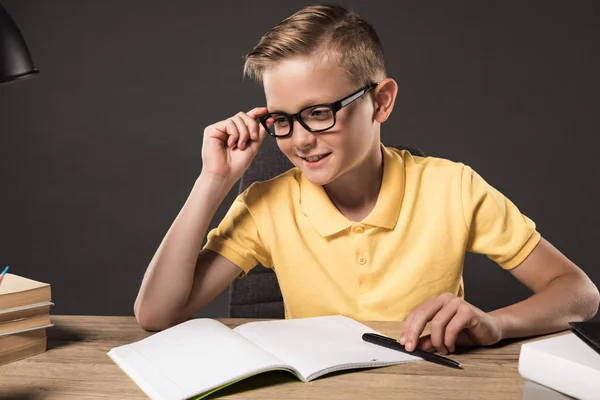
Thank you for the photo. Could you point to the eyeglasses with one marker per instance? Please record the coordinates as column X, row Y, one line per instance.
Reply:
column 317, row 118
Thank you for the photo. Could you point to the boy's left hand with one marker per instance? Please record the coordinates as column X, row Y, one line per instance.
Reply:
column 454, row 322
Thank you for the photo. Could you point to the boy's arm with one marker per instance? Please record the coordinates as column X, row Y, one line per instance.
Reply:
column 563, row 293
column 181, row 278
column 178, row 281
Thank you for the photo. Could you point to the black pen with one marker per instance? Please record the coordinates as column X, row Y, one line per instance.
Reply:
column 395, row 345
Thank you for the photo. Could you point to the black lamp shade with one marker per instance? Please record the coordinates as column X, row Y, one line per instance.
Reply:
column 15, row 60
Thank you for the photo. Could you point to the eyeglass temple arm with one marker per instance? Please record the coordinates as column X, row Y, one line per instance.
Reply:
column 355, row 96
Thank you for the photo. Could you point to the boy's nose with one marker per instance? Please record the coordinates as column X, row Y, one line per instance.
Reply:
column 302, row 138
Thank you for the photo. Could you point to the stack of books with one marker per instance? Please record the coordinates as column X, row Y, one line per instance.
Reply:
column 24, row 316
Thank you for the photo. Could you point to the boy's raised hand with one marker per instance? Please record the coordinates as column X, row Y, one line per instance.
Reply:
column 454, row 322
column 229, row 146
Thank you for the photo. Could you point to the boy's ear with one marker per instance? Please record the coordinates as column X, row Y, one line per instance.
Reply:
column 385, row 97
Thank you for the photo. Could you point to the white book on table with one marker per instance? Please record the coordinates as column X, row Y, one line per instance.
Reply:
column 563, row 363
column 200, row 356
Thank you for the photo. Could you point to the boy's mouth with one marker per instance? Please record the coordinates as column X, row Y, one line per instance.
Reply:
column 315, row 160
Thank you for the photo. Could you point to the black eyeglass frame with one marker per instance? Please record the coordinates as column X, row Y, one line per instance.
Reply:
column 335, row 107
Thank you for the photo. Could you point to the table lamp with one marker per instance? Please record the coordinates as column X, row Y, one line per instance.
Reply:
column 15, row 60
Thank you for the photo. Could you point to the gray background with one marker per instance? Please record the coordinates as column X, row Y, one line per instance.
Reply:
column 99, row 152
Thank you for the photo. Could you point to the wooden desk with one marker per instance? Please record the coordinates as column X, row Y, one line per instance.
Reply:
column 76, row 367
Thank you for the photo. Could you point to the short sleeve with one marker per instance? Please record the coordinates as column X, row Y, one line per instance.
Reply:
column 237, row 237
column 495, row 225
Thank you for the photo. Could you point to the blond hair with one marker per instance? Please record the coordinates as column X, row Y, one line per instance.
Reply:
column 330, row 29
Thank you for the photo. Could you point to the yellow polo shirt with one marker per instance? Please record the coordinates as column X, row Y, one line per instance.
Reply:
column 429, row 212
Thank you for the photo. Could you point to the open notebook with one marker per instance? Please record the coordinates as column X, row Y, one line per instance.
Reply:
column 200, row 356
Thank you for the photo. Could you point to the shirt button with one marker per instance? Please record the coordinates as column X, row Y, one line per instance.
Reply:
column 359, row 229
column 362, row 260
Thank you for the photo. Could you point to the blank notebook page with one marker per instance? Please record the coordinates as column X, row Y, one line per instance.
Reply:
column 316, row 344
column 190, row 357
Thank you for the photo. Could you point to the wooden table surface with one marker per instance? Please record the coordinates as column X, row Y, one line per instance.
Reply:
column 76, row 366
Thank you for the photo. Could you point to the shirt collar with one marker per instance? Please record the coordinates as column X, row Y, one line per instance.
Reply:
column 328, row 220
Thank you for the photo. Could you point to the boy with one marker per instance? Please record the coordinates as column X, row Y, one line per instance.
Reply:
column 356, row 228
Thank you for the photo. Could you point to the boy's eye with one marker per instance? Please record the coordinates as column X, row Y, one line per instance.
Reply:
column 280, row 121
column 320, row 113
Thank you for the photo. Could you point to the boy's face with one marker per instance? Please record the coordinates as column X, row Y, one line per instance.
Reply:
column 296, row 83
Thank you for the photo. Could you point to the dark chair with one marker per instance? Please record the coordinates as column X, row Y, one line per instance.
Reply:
column 258, row 295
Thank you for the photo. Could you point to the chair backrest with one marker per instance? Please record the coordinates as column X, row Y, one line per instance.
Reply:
column 258, row 295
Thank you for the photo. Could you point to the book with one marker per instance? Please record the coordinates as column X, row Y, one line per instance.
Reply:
column 24, row 324
column 11, row 314
column 11, row 342
column 200, row 356
column 563, row 363
column 24, row 316
column 26, row 350
column 18, row 291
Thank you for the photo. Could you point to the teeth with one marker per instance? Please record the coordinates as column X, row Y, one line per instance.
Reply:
column 315, row 158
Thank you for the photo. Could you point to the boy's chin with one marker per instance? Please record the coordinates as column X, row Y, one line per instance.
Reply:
column 321, row 177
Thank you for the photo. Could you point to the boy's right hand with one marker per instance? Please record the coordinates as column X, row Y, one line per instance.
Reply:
column 229, row 146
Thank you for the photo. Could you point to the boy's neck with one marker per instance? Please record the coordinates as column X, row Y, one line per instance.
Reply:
column 355, row 193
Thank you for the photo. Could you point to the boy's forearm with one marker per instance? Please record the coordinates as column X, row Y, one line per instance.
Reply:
column 566, row 299
column 168, row 280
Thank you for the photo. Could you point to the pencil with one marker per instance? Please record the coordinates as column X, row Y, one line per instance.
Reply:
column 3, row 273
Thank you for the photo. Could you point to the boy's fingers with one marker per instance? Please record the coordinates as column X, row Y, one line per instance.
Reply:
column 222, row 135
column 257, row 112
column 220, row 126
column 232, row 131
column 408, row 324
column 237, row 130
column 406, row 327
column 251, row 124
column 464, row 318
column 255, row 144
column 242, row 129
column 423, row 315
column 254, row 113
column 425, row 344
column 439, row 324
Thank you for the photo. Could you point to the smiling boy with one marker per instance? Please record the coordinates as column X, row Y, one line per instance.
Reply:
column 356, row 228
